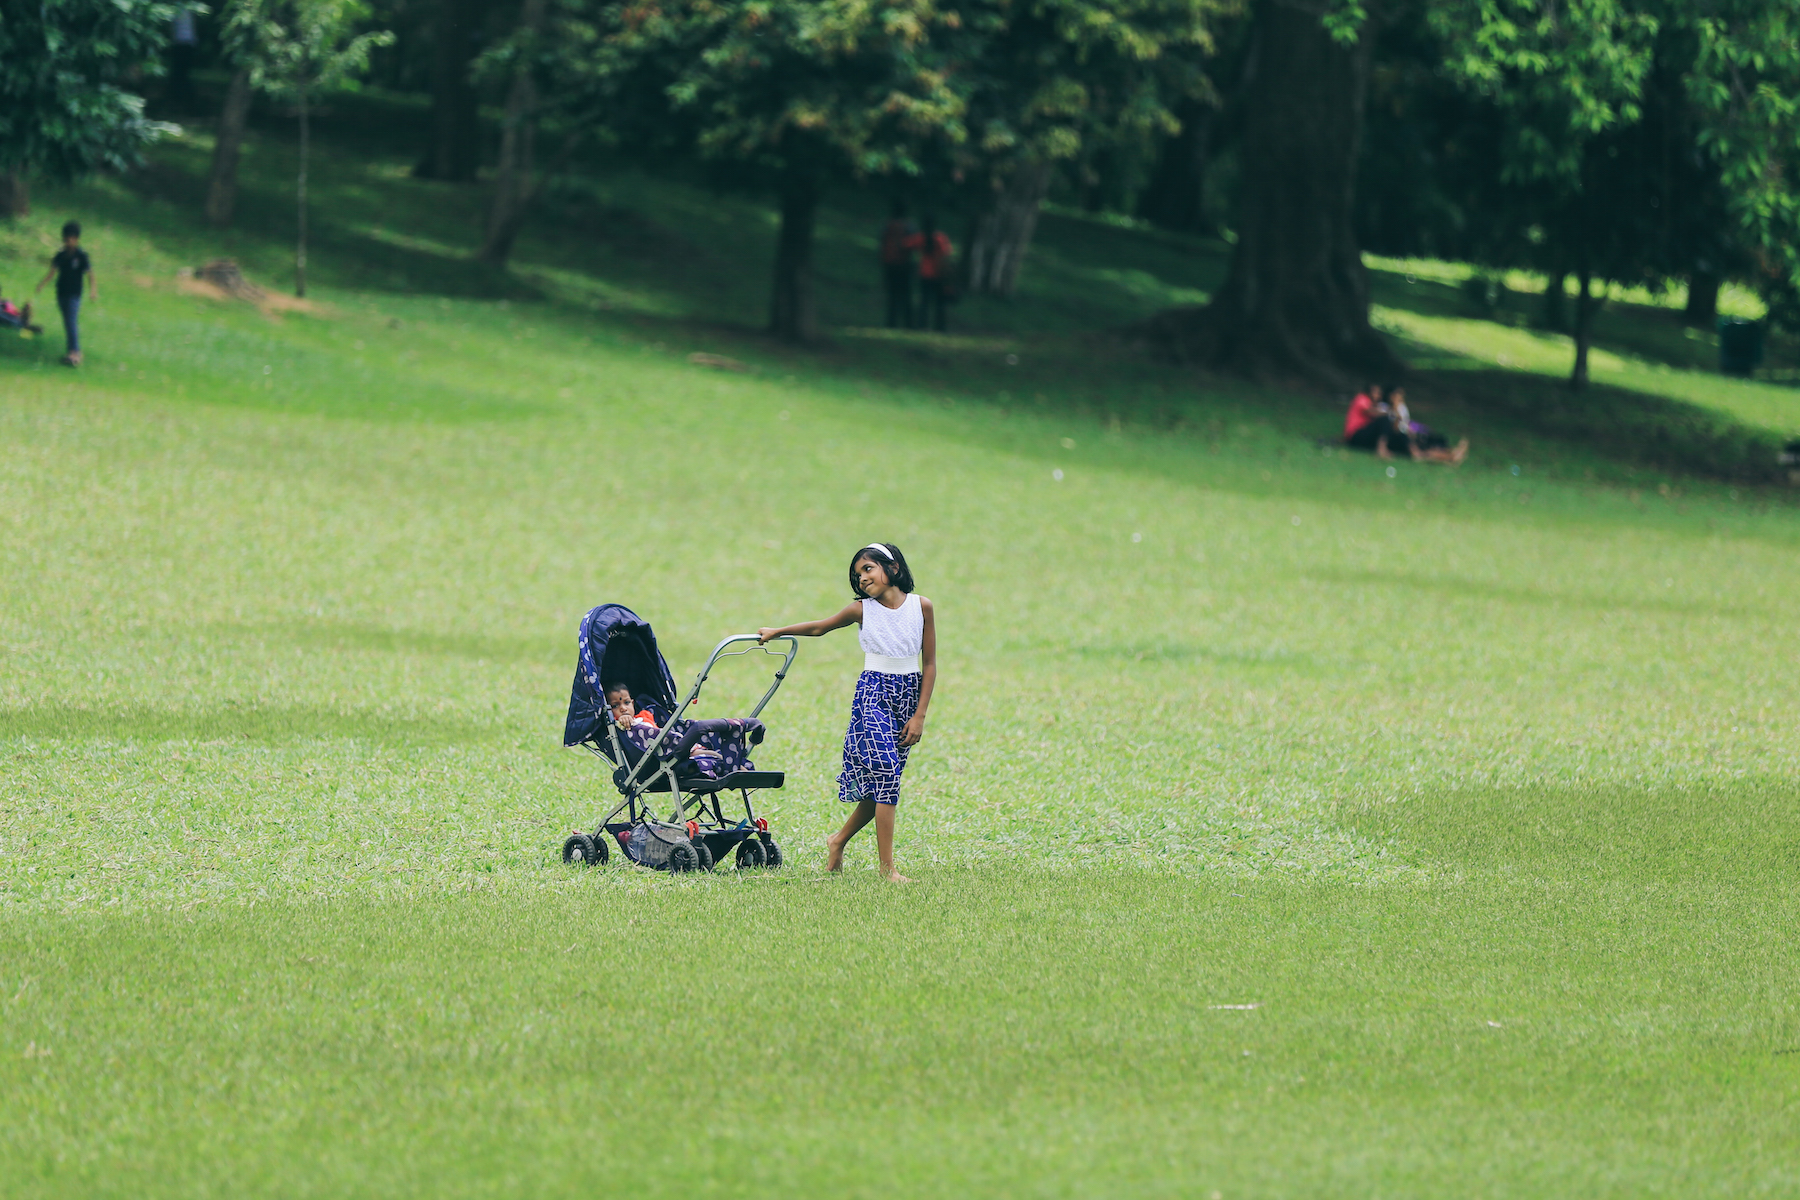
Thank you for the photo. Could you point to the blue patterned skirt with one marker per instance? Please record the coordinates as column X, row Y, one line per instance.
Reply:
column 873, row 756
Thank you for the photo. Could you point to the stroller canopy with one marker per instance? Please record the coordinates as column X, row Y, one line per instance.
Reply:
column 616, row 646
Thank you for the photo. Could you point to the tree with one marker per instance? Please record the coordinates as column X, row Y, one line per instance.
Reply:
column 228, row 143
column 296, row 49
column 1060, row 82
column 1567, row 77
column 453, row 153
column 792, row 95
column 1295, row 298
column 514, row 183
column 1746, row 84
column 65, row 111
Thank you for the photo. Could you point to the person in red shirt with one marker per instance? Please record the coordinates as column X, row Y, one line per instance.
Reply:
column 897, row 238
column 1369, row 425
column 934, row 248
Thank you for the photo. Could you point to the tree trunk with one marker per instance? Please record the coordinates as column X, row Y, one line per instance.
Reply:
column 15, row 194
column 300, row 193
column 1295, row 301
column 792, row 315
column 1002, row 231
column 1556, row 301
column 454, row 153
column 221, row 189
column 1585, row 307
column 1176, row 196
column 518, row 147
column 1702, row 310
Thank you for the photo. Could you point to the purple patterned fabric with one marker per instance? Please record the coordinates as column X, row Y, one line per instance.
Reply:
column 873, row 756
column 720, row 745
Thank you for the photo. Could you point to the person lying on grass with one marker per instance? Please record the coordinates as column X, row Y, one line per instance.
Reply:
column 887, row 714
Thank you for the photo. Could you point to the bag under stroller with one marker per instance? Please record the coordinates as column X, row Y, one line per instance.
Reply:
column 694, row 762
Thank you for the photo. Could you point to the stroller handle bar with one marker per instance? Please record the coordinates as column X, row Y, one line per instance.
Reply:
column 693, row 692
column 719, row 651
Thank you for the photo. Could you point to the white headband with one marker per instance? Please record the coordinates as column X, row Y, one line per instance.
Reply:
column 878, row 548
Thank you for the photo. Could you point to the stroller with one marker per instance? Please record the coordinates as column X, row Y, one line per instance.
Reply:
column 618, row 647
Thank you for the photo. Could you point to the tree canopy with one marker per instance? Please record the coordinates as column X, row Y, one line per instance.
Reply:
column 68, row 106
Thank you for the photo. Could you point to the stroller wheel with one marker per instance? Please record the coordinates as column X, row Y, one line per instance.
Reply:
column 750, row 855
column 683, row 857
column 771, row 852
column 583, row 851
column 705, row 853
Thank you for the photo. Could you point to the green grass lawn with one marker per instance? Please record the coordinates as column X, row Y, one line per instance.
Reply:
column 1476, row 785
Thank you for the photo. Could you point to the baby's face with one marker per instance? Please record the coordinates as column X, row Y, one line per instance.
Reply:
column 619, row 705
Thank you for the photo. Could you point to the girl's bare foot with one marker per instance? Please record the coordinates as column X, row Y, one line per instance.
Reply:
column 834, row 853
column 894, row 876
column 1459, row 453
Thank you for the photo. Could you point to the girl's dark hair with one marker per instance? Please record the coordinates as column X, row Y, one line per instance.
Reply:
column 893, row 562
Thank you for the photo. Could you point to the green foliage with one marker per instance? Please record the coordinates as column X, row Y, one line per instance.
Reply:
column 1056, row 79
column 781, row 85
column 66, row 108
column 899, row 88
column 1561, row 72
column 1746, row 81
column 300, row 46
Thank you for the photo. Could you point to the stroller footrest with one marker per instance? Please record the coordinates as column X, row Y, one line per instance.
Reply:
column 735, row 781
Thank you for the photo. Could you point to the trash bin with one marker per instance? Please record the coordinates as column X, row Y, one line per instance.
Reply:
column 1740, row 345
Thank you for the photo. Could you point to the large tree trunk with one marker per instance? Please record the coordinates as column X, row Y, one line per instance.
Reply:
column 518, row 148
column 15, row 194
column 221, row 188
column 300, row 195
column 1295, row 301
column 1176, row 195
column 792, row 314
column 1002, row 230
column 1702, row 310
column 454, row 152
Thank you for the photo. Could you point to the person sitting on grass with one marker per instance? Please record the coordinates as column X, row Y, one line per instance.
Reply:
column 1375, row 423
column 1427, row 444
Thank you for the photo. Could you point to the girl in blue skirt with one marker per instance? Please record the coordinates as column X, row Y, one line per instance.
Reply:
column 887, row 716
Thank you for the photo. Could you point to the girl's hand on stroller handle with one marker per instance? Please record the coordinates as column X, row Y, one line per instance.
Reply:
column 763, row 636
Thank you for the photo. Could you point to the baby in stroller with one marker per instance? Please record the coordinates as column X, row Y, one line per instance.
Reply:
column 713, row 748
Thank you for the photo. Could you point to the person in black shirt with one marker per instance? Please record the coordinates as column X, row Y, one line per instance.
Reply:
column 67, row 267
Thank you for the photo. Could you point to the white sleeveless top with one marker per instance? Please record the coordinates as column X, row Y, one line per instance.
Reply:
column 892, row 638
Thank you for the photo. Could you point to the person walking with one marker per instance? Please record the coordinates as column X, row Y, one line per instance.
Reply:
column 887, row 714
column 68, row 266
column 934, row 248
column 897, row 266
